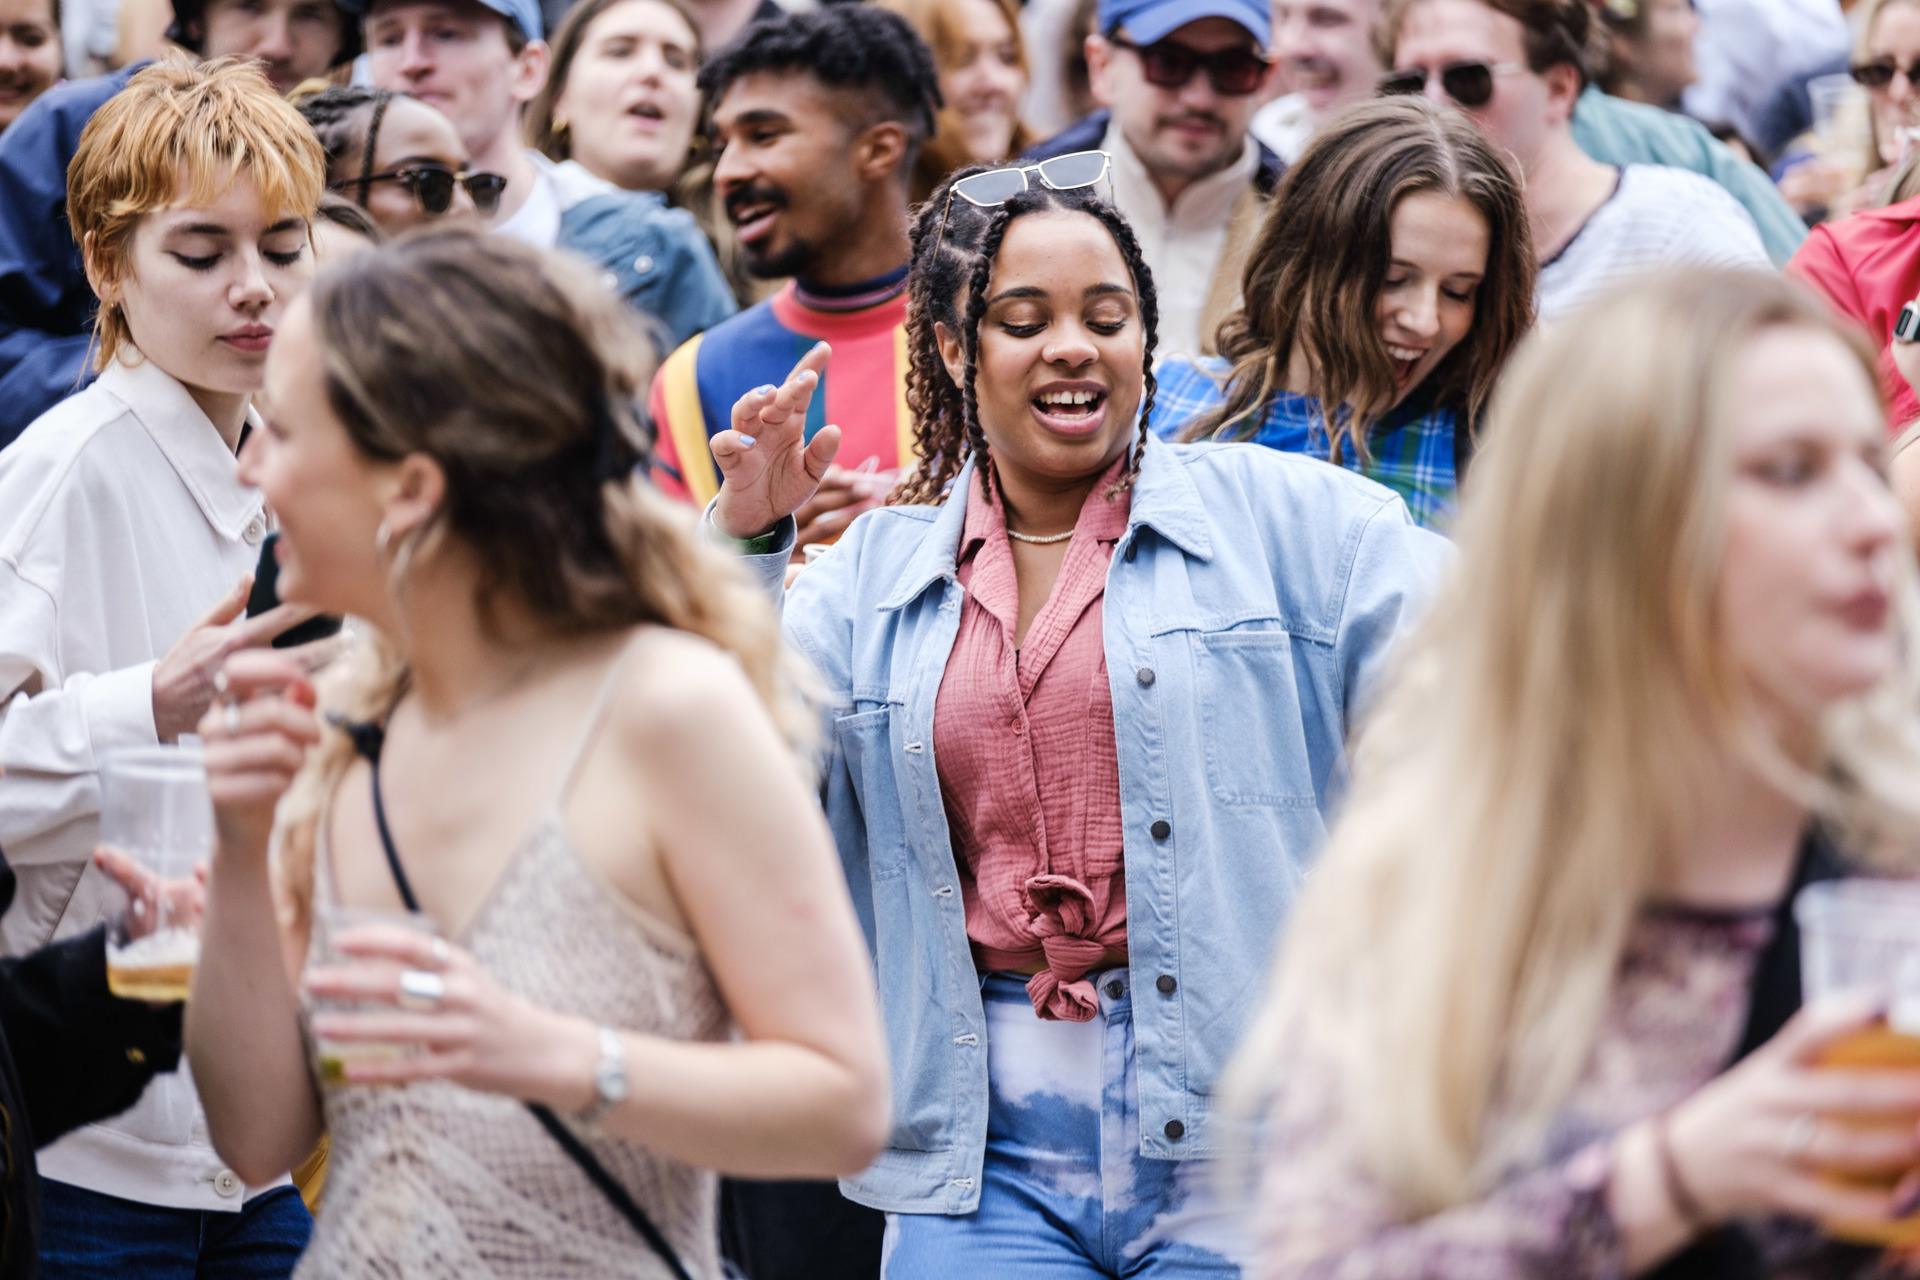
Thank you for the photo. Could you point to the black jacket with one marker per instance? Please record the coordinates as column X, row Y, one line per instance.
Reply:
column 71, row 1053
column 1087, row 134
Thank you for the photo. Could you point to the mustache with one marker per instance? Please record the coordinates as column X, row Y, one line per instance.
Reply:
column 1207, row 118
column 747, row 197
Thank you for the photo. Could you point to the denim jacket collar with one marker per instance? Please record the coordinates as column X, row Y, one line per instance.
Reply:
column 1164, row 500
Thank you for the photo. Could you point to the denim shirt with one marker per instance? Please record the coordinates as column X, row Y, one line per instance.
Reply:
column 1249, row 605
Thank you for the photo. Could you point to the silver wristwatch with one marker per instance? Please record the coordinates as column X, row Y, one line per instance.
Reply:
column 610, row 1087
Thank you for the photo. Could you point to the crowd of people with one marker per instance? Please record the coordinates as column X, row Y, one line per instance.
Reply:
column 918, row 639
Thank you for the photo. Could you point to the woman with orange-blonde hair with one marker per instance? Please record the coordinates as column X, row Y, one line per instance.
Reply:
column 983, row 77
column 126, row 543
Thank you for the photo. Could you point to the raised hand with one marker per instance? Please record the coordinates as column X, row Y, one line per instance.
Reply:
column 768, row 468
column 256, row 740
column 183, row 678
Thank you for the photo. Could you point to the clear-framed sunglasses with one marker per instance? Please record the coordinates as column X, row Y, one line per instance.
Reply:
column 997, row 186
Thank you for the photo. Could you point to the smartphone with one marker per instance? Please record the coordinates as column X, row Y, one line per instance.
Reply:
column 266, row 595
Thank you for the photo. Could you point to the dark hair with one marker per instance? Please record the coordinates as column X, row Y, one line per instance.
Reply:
column 189, row 29
column 1315, row 273
column 1556, row 32
column 565, row 47
column 852, row 47
column 946, row 270
column 346, row 120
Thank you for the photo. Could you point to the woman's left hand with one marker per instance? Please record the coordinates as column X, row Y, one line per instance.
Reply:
column 185, row 901
column 425, row 995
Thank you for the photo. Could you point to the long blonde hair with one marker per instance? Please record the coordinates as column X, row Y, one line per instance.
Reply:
column 1532, row 764
column 518, row 374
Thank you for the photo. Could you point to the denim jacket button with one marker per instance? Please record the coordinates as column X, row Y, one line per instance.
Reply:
column 1175, row 1130
column 1144, row 675
column 1167, row 984
column 1116, row 989
column 1161, row 829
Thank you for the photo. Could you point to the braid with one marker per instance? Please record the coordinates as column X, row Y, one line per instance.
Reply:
column 336, row 117
column 970, row 341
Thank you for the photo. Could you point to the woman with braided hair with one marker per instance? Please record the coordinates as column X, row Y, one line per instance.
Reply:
column 397, row 158
column 1089, row 689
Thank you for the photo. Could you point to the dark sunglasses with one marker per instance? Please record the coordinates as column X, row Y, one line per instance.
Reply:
column 997, row 186
column 432, row 186
column 1233, row 73
column 1879, row 73
column 1467, row 84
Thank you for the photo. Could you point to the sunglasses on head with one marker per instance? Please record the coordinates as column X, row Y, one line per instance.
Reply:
column 997, row 186
column 1879, row 73
column 1233, row 73
column 432, row 186
column 1466, row 84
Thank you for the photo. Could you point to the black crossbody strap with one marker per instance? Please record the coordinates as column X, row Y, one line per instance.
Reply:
column 367, row 740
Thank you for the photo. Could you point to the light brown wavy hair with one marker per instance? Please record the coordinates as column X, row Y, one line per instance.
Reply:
column 934, row 21
column 518, row 374
column 1314, row 278
column 204, row 124
column 538, row 127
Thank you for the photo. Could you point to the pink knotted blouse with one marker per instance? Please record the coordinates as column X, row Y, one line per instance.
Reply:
column 1023, row 737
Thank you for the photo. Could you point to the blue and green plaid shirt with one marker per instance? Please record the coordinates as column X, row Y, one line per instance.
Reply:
column 1412, row 447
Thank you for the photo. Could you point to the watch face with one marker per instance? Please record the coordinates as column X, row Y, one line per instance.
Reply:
column 1907, row 327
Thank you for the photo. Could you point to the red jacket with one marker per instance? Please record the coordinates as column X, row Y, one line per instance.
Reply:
column 1868, row 266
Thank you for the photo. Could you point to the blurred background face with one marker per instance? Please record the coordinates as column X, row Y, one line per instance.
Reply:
column 1186, row 132
column 29, row 54
column 1325, row 50
column 1895, row 42
column 1814, row 535
column 983, row 80
column 1523, row 108
column 1663, row 59
column 630, row 104
column 295, row 39
column 453, row 56
column 412, row 134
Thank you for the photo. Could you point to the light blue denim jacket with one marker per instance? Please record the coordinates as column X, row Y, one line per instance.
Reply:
column 1249, row 605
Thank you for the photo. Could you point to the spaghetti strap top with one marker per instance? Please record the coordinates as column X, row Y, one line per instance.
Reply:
column 432, row 1180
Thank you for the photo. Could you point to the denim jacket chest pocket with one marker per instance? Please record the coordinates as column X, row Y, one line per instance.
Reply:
column 1256, row 685
column 870, row 759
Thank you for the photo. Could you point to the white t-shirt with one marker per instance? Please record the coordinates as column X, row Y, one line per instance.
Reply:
column 537, row 220
column 1657, row 217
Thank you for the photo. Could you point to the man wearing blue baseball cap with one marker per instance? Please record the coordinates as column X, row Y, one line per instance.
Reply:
column 480, row 62
column 1179, row 81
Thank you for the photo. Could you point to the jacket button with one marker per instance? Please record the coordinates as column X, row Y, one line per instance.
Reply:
column 1175, row 1130
column 1167, row 984
column 1161, row 829
column 1144, row 675
column 642, row 264
column 227, row 1183
column 1116, row 989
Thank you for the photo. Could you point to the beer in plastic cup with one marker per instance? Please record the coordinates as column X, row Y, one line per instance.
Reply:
column 154, row 807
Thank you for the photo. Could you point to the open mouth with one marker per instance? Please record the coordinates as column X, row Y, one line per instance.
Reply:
column 1313, row 74
column 1070, row 410
column 1405, row 360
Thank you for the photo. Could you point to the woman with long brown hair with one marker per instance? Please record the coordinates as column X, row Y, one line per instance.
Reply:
column 1393, row 276
column 567, row 754
column 1535, row 1012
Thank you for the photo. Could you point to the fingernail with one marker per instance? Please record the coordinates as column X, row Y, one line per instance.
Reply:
column 764, row 390
column 746, row 440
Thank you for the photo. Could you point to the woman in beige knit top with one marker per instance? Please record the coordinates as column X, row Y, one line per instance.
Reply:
column 582, row 775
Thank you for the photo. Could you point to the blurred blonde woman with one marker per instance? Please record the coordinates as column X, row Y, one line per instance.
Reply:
column 982, row 59
column 1674, row 677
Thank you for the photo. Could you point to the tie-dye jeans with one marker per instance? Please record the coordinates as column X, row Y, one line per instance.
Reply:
column 1066, row 1193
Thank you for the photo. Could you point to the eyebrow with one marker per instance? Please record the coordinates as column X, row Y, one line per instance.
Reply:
column 216, row 229
column 759, row 115
column 1414, row 266
column 1032, row 291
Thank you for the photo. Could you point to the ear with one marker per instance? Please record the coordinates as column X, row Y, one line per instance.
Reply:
column 415, row 489
column 879, row 151
column 104, row 283
column 1563, row 91
column 1100, row 69
column 530, row 70
column 952, row 354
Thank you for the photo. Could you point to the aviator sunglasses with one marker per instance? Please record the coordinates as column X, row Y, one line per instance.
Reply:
column 1879, row 73
column 997, row 186
column 1233, row 73
column 1467, row 84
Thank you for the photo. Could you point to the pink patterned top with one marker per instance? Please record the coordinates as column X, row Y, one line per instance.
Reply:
column 1678, row 1010
column 1023, row 737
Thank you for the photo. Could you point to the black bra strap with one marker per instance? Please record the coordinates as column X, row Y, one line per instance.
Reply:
column 367, row 740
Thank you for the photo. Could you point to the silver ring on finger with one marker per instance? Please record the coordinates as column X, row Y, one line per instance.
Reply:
column 220, row 685
column 232, row 719
column 420, row 989
column 1798, row 1139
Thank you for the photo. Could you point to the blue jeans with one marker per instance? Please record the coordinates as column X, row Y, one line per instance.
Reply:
column 1066, row 1194
column 89, row 1236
